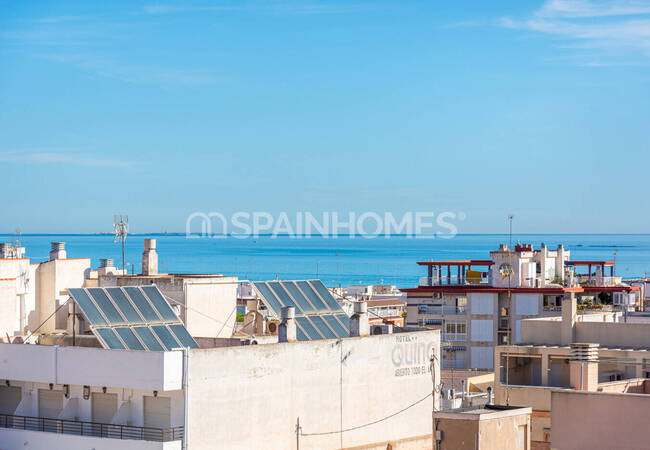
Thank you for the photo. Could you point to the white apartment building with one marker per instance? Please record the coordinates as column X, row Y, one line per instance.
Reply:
column 479, row 304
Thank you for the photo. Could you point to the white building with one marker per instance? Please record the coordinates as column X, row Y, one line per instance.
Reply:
column 234, row 397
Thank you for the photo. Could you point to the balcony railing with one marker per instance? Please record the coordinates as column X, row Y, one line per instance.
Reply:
column 441, row 309
column 106, row 430
column 453, row 337
column 452, row 280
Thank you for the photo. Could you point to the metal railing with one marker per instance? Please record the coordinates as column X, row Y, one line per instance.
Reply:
column 453, row 337
column 440, row 309
column 76, row 427
column 452, row 280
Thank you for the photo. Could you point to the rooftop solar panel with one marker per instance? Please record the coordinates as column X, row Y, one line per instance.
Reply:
column 270, row 299
column 183, row 336
column 306, row 325
column 326, row 295
column 165, row 311
column 345, row 320
column 320, row 324
column 106, row 306
column 314, row 318
column 88, row 307
column 298, row 297
column 338, row 328
column 314, row 299
column 129, row 338
column 124, row 305
column 133, row 318
column 300, row 335
column 143, row 305
column 145, row 334
column 166, row 337
column 110, row 338
column 280, row 293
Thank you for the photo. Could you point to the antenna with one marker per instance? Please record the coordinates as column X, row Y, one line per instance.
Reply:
column 121, row 229
column 510, row 217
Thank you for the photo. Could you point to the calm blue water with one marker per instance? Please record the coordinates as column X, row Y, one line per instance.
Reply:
column 343, row 260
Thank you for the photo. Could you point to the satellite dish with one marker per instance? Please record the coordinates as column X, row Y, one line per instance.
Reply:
column 505, row 270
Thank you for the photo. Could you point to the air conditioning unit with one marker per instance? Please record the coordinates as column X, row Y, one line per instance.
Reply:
column 272, row 327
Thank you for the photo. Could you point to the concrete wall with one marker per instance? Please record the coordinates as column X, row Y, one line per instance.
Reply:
column 587, row 420
column 614, row 334
column 37, row 440
column 92, row 366
column 251, row 396
column 211, row 299
column 541, row 331
column 8, row 313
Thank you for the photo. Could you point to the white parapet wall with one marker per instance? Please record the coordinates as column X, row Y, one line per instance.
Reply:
column 251, row 397
column 161, row 371
column 36, row 440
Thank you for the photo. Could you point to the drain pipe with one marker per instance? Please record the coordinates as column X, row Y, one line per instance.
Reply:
column 186, row 379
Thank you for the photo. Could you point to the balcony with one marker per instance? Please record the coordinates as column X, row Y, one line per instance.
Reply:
column 452, row 280
column 453, row 337
column 91, row 429
column 440, row 309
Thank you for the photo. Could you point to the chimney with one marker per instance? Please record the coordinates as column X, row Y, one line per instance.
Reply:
column 359, row 325
column 149, row 258
column 583, row 367
column 105, row 262
column 568, row 318
column 287, row 328
column 57, row 251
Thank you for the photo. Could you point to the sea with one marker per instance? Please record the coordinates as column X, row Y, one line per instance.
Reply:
column 337, row 261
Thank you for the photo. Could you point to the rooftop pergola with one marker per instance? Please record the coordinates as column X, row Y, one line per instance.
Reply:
column 590, row 264
column 462, row 265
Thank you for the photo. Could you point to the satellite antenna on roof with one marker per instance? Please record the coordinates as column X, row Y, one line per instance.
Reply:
column 121, row 229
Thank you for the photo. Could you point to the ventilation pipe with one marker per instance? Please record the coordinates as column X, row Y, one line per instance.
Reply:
column 287, row 328
column 57, row 251
column 149, row 258
column 359, row 325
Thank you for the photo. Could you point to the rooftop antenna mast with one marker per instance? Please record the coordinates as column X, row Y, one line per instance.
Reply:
column 510, row 217
column 121, row 229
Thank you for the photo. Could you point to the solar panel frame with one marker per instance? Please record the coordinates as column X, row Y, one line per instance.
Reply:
column 105, row 304
column 142, row 304
column 283, row 296
column 345, row 321
column 111, row 340
column 129, row 338
column 88, row 307
column 338, row 328
column 166, row 337
column 269, row 297
column 326, row 295
column 156, row 298
column 148, row 339
column 322, row 327
column 298, row 297
column 309, row 328
column 124, row 305
column 183, row 336
column 300, row 334
column 312, row 296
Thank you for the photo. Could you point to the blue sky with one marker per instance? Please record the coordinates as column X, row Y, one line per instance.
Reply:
column 488, row 108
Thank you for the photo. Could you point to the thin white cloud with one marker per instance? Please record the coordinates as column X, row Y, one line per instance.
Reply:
column 57, row 157
column 133, row 73
column 606, row 25
column 586, row 8
column 272, row 7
